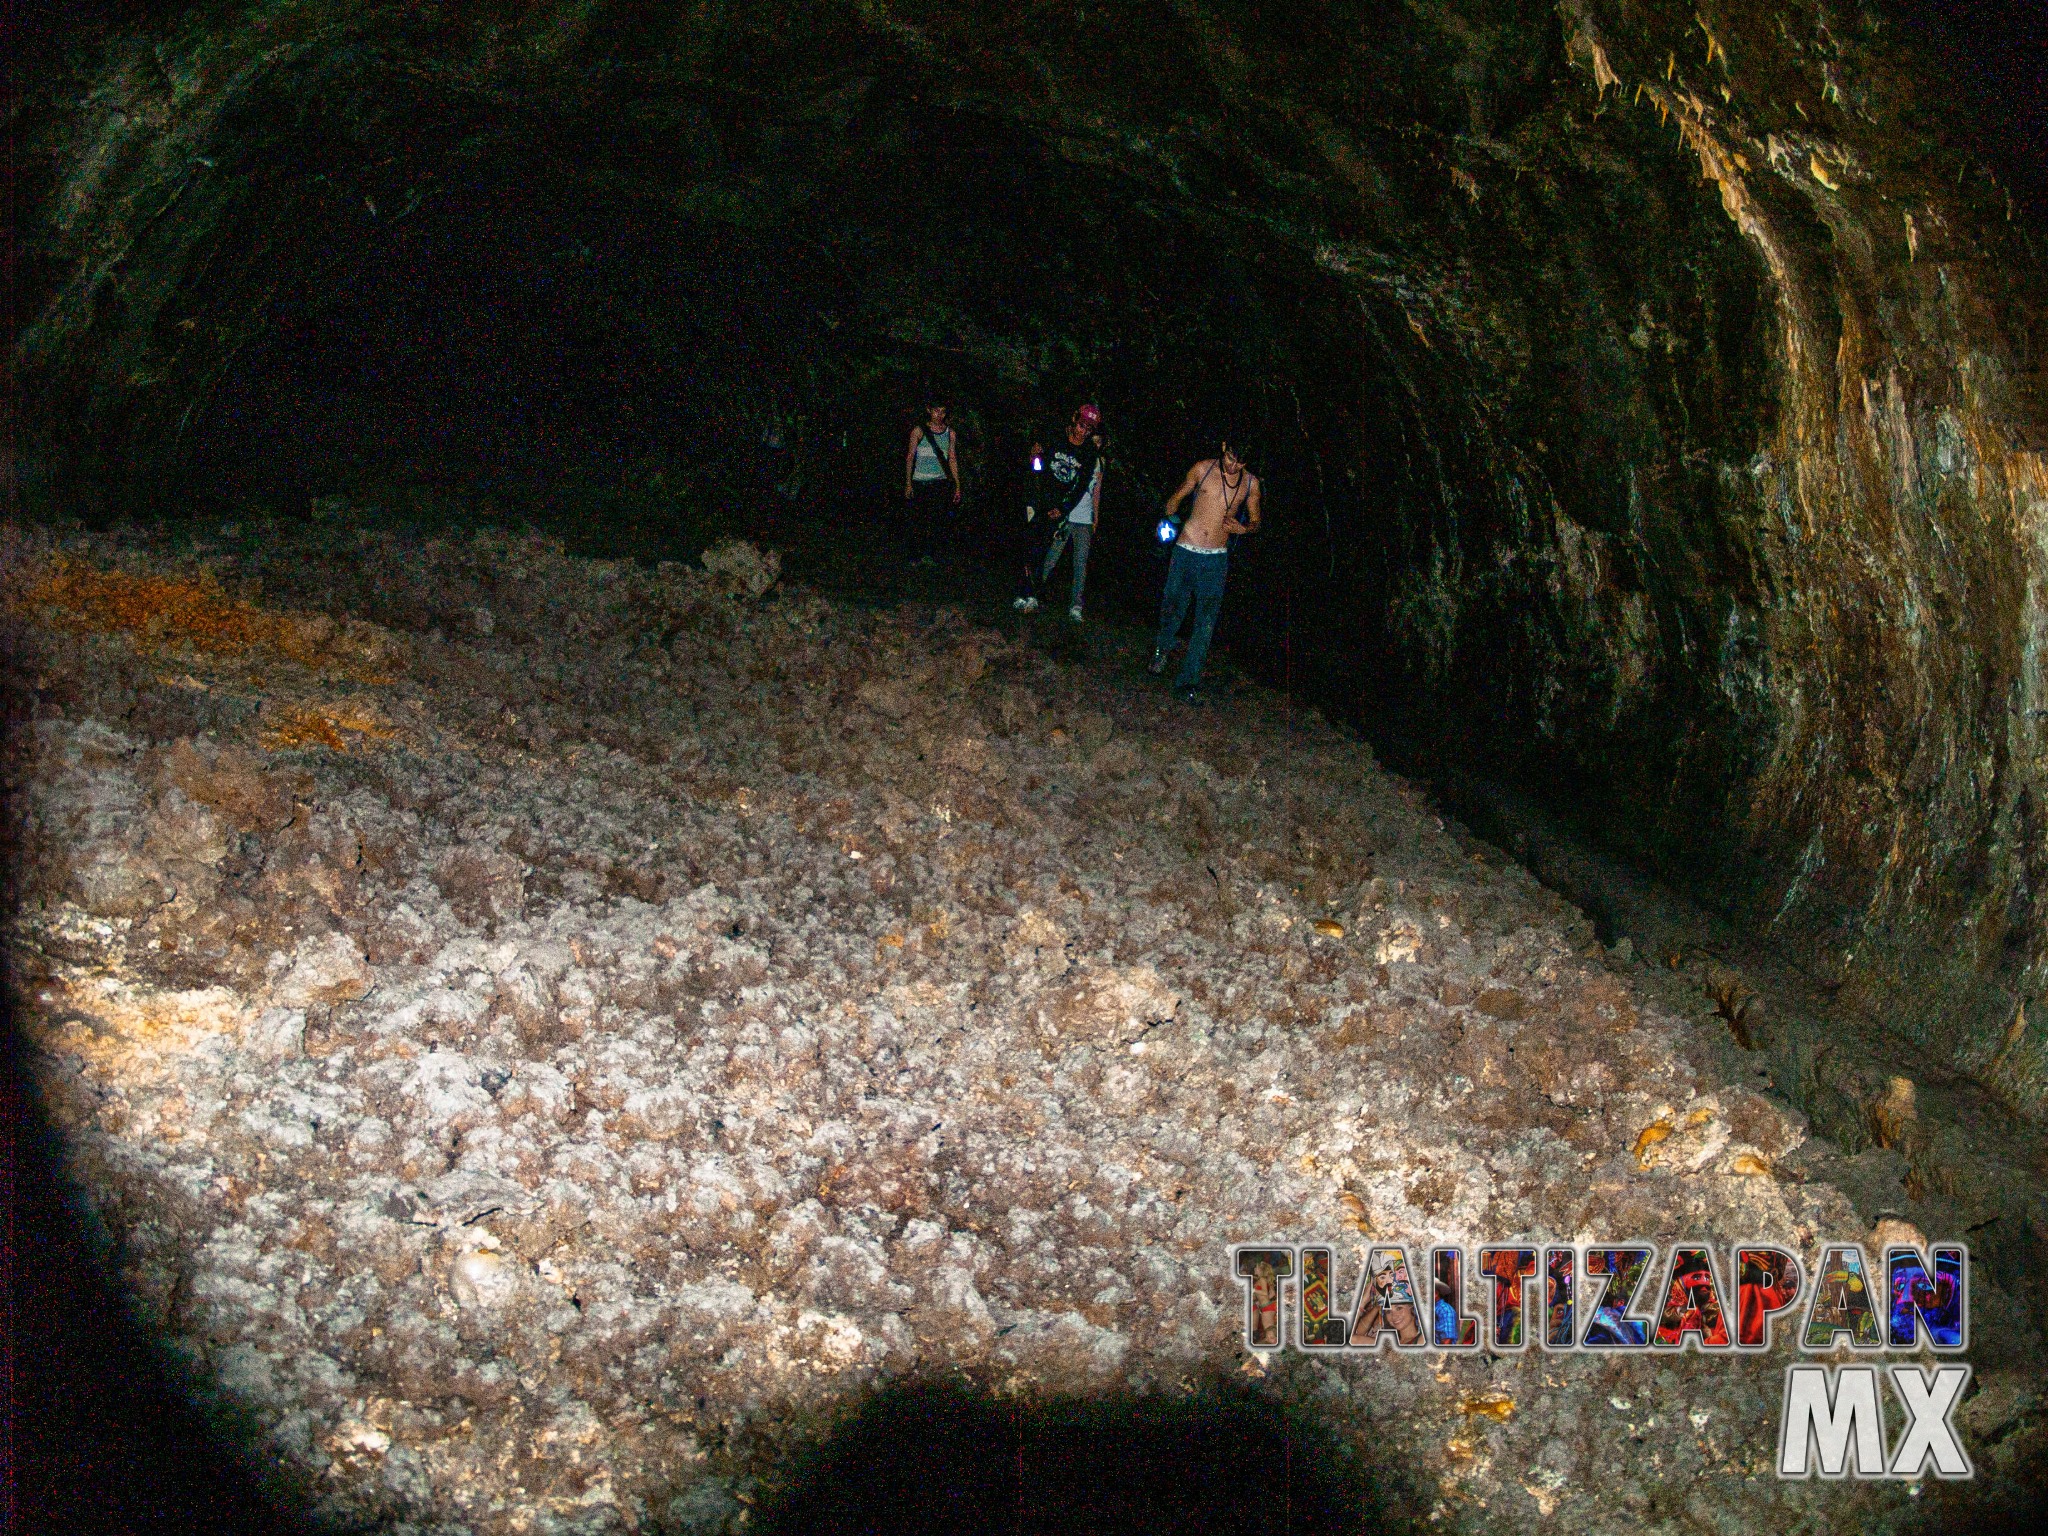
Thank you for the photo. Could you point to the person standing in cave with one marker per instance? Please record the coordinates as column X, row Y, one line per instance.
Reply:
column 1074, row 468
column 931, row 482
column 1226, row 504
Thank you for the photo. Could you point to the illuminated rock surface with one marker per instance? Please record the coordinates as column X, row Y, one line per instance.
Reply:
column 675, row 1011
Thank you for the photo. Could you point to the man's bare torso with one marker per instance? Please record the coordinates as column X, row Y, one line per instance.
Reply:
column 1219, row 501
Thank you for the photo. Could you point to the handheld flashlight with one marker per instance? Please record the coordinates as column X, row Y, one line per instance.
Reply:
column 1167, row 531
column 1037, row 464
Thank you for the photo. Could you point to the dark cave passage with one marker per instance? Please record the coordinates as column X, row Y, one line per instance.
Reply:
column 1646, row 397
column 1617, row 444
column 1506, row 362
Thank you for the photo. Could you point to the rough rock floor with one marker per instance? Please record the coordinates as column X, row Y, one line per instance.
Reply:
column 543, row 1034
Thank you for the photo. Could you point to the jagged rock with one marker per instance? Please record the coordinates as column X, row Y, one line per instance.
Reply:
column 327, row 968
column 482, row 884
column 483, row 1279
column 970, row 754
column 1113, row 1005
column 1091, row 730
column 233, row 781
column 955, row 1317
column 889, row 696
column 109, row 880
column 1117, row 759
column 1890, row 1230
column 1018, row 707
column 1036, row 941
column 740, row 568
column 184, row 829
column 277, row 1032
column 529, row 1002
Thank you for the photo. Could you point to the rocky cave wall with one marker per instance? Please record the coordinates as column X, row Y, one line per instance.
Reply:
column 1647, row 387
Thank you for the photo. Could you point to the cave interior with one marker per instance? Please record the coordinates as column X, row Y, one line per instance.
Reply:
column 1644, row 394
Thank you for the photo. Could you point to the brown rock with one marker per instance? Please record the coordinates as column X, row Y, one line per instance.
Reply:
column 1037, row 941
column 328, row 968
column 529, row 1002
column 970, row 662
column 1892, row 1116
column 888, row 696
column 954, row 1317
column 1118, row 759
column 1755, row 1121
column 482, row 884
column 204, row 936
column 1544, row 1063
column 968, row 754
column 1018, row 708
column 111, row 880
column 182, row 828
column 1432, row 1189
column 233, row 782
column 1502, row 1003
column 1091, row 730
column 318, row 856
column 311, row 633
column 1600, row 1003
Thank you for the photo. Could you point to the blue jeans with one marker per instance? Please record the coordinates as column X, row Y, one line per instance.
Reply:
column 1198, row 579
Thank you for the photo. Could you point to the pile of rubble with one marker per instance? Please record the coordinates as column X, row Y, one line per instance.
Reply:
column 545, row 1031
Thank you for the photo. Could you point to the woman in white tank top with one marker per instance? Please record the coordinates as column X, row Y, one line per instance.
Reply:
column 931, row 481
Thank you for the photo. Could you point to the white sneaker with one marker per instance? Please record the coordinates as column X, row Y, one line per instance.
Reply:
column 1026, row 605
column 1074, row 613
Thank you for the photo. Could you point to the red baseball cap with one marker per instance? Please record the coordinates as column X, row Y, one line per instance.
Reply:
column 1088, row 416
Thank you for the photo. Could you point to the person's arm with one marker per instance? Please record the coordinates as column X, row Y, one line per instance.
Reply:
column 1187, row 487
column 910, row 463
column 1095, row 492
column 1247, row 521
column 953, row 460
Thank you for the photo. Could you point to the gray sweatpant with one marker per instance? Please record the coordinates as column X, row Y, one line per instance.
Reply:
column 1079, row 535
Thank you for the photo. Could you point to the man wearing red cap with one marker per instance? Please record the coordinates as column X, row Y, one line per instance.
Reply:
column 1075, row 468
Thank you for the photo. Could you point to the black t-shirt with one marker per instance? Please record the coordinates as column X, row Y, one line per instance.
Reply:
column 1072, row 470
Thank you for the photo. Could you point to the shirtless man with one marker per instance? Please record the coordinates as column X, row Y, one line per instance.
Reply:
column 1226, row 502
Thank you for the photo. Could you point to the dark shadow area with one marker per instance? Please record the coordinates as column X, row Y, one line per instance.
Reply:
column 530, row 331
column 1992, row 59
column 101, row 1433
column 934, row 1457
column 105, row 1438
